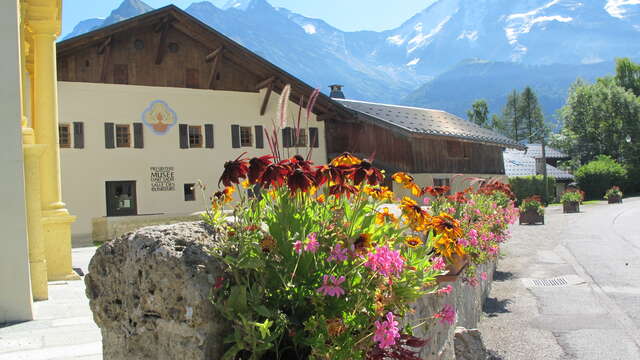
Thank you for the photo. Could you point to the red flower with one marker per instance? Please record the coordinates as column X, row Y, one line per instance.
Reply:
column 490, row 188
column 340, row 189
column 300, row 180
column 332, row 173
column 234, row 171
column 436, row 191
column 257, row 166
column 365, row 171
column 459, row 197
column 274, row 175
column 298, row 162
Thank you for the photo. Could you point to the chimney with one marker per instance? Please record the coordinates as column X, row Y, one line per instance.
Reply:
column 336, row 91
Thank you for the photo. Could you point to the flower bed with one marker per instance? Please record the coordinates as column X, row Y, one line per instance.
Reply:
column 531, row 210
column 318, row 267
column 571, row 200
column 613, row 195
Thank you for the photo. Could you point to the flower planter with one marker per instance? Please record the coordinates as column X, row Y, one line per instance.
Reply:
column 571, row 207
column 531, row 217
column 454, row 269
column 615, row 199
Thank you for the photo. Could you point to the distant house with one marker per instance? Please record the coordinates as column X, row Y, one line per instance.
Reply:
column 152, row 104
column 529, row 162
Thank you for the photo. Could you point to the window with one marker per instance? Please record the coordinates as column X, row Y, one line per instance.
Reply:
column 246, row 138
column 189, row 192
column 195, row 136
column 301, row 140
column 442, row 182
column 64, row 135
column 123, row 136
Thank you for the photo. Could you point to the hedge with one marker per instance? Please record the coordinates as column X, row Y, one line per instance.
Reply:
column 525, row 186
column 599, row 175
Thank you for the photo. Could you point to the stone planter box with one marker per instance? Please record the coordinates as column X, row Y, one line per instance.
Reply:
column 531, row 217
column 571, row 207
column 615, row 199
column 454, row 269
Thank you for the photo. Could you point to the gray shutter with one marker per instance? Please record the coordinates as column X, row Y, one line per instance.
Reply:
column 235, row 136
column 259, row 137
column 78, row 135
column 314, row 140
column 208, row 135
column 287, row 137
column 109, row 136
column 184, row 136
column 138, row 137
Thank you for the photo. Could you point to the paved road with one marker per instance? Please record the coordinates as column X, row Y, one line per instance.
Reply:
column 593, row 312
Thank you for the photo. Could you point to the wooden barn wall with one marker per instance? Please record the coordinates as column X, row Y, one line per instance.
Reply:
column 183, row 63
column 396, row 151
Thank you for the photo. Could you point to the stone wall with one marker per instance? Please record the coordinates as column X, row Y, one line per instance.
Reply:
column 149, row 293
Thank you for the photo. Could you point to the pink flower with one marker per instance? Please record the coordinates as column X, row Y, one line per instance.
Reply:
column 338, row 253
column 312, row 244
column 483, row 276
column 473, row 281
column 438, row 264
column 445, row 290
column 385, row 261
column 426, row 201
column 463, row 242
column 297, row 246
column 386, row 332
column 446, row 315
column 493, row 250
column 333, row 288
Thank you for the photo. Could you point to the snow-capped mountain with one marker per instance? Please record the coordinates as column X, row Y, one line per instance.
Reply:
column 388, row 65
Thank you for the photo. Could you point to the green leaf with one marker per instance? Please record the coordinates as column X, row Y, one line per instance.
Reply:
column 238, row 299
column 263, row 311
column 232, row 352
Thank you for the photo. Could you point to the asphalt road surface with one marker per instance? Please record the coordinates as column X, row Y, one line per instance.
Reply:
column 569, row 289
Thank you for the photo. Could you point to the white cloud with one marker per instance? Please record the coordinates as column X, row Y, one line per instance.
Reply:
column 413, row 62
column 616, row 9
column 396, row 39
column 309, row 29
column 468, row 34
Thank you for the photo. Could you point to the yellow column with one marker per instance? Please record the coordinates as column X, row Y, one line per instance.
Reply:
column 55, row 217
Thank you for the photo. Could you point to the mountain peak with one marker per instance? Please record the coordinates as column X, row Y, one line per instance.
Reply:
column 126, row 10
column 245, row 4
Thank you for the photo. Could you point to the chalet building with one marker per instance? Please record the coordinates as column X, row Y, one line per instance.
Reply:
column 153, row 104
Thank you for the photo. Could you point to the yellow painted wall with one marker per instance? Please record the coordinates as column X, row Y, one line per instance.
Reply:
column 15, row 285
column 84, row 171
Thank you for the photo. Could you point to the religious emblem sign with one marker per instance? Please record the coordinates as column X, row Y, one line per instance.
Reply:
column 159, row 117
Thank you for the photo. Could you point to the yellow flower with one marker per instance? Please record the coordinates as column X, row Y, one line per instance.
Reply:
column 417, row 218
column 446, row 225
column 402, row 178
column 268, row 243
column 383, row 216
column 321, row 199
column 380, row 193
column 346, row 159
column 446, row 247
column 413, row 241
column 245, row 184
column 225, row 196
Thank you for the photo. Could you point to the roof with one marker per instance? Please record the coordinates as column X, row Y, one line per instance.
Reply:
column 516, row 163
column 535, row 151
column 429, row 122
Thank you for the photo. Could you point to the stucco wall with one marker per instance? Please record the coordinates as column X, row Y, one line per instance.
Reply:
column 15, row 285
column 85, row 171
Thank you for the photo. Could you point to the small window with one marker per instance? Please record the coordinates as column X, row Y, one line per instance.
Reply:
column 246, row 138
column 64, row 135
column 123, row 136
column 301, row 140
column 189, row 192
column 195, row 136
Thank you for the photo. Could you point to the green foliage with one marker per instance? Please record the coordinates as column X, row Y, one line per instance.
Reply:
column 531, row 115
column 511, row 117
column 527, row 186
column 479, row 113
column 628, row 75
column 571, row 197
column 498, row 124
column 532, row 202
column 613, row 192
column 599, row 175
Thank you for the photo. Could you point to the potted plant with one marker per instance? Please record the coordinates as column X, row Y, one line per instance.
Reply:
column 571, row 202
column 531, row 210
column 614, row 195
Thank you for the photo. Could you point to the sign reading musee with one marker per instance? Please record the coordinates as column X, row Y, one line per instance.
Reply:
column 163, row 178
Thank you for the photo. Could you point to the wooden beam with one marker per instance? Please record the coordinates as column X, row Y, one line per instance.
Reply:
column 105, row 51
column 265, row 101
column 214, row 54
column 263, row 84
column 326, row 116
column 162, row 46
column 214, row 70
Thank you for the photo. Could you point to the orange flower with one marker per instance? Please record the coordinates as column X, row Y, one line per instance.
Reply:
column 380, row 193
column 402, row 178
column 413, row 241
column 321, row 199
column 447, row 247
column 417, row 218
column 267, row 244
column 225, row 196
column 385, row 216
column 446, row 225
column 437, row 191
column 335, row 327
column 345, row 159
column 362, row 244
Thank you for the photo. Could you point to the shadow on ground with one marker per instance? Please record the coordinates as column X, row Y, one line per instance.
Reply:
column 492, row 307
column 502, row 275
column 494, row 356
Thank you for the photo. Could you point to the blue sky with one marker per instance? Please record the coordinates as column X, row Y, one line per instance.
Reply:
column 347, row 15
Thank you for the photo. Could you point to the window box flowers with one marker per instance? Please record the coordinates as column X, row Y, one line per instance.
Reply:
column 571, row 201
column 532, row 211
column 614, row 195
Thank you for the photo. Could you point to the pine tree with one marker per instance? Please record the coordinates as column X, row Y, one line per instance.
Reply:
column 511, row 116
column 479, row 113
column 530, row 115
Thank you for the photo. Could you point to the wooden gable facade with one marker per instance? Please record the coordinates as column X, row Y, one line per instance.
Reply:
column 170, row 48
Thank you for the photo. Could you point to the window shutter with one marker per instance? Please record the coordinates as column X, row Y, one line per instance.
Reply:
column 184, row 136
column 78, row 135
column 109, row 139
column 138, row 137
column 259, row 137
column 314, row 140
column 235, row 136
column 287, row 137
column 208, row 135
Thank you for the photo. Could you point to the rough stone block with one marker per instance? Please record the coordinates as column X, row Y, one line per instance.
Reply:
column 468, row 344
